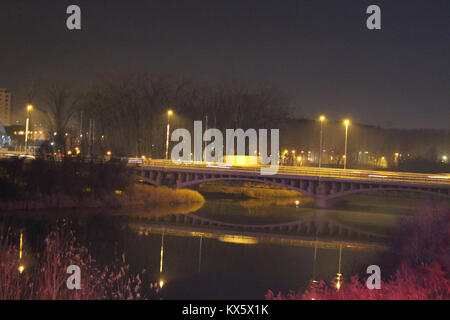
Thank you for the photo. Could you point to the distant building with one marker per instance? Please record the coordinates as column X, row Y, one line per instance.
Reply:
column 5, row 140
column 5, row 107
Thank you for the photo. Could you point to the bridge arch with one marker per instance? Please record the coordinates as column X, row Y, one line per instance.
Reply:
column 330, row 197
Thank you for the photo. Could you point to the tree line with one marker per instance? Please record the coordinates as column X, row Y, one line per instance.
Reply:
column 126, row 113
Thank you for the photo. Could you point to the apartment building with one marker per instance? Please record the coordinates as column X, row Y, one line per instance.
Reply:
column 5, row 107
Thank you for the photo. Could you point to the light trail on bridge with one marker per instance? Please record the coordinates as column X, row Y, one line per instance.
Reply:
column 350, row 174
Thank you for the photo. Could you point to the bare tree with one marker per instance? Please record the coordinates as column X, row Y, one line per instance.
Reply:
column 131, row 108
column 58, row 103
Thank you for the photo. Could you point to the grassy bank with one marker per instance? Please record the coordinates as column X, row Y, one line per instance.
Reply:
column 73, row 184
column 248, row 190
column 137, row 195
column 144, row 195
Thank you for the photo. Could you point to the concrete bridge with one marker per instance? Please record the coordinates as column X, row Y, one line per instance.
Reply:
column 324, row 184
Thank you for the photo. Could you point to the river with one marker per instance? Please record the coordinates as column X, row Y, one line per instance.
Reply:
column 228, row 248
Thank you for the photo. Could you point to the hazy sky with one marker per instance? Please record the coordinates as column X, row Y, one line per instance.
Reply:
column 319, row 52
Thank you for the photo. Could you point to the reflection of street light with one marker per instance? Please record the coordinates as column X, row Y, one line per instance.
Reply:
column 29, row 109
column 200, row 254
column 339, row 278
column 346, row 122
column 169, row 113
column 322, row 119
column 161, row 282
column 444, row 159
column 162, row 253
column 338, row 281
column 314, row 283
column 21, row 267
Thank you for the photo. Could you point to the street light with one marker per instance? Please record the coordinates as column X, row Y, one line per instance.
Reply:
column 29, row 109
column 347, row 123
column 322, row 119
column 169, row 113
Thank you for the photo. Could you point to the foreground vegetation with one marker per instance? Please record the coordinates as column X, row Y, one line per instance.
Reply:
column 44, row 275
column 417, row 267
column 71, row 183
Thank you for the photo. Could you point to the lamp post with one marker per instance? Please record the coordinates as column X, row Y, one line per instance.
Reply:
column 322, row 119
column 169, row 113
column 29, row 109
column 347, row 123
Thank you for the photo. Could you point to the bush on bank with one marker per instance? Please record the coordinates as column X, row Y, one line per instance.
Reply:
column 71, row 183
column 420, row 258
column 44, row 276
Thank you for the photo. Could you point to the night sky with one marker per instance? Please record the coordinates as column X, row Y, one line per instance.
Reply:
column 319, row 52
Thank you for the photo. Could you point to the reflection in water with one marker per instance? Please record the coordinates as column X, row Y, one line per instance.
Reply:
column 238, row 239
column 324, row 255
column 243, row 237
column 200, row 255
column 166, row 209
column 264, row 203
column 338, row 279
column 317, row 225
column 314, row 280
column 21, row 266
column 161, row 281
column 162, row 253
column 21, row 246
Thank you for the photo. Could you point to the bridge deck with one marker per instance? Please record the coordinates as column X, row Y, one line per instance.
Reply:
column 352, row 175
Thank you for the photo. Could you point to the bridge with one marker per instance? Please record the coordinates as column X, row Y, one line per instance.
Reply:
column 322, row 184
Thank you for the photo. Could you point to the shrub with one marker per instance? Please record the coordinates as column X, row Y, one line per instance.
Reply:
column 45, row 276
column 422, row 272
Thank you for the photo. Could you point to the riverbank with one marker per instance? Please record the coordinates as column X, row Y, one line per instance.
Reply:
column 71, row 183
column 137, row 195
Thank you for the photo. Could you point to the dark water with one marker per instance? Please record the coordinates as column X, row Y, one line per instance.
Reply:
column 216, row 262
